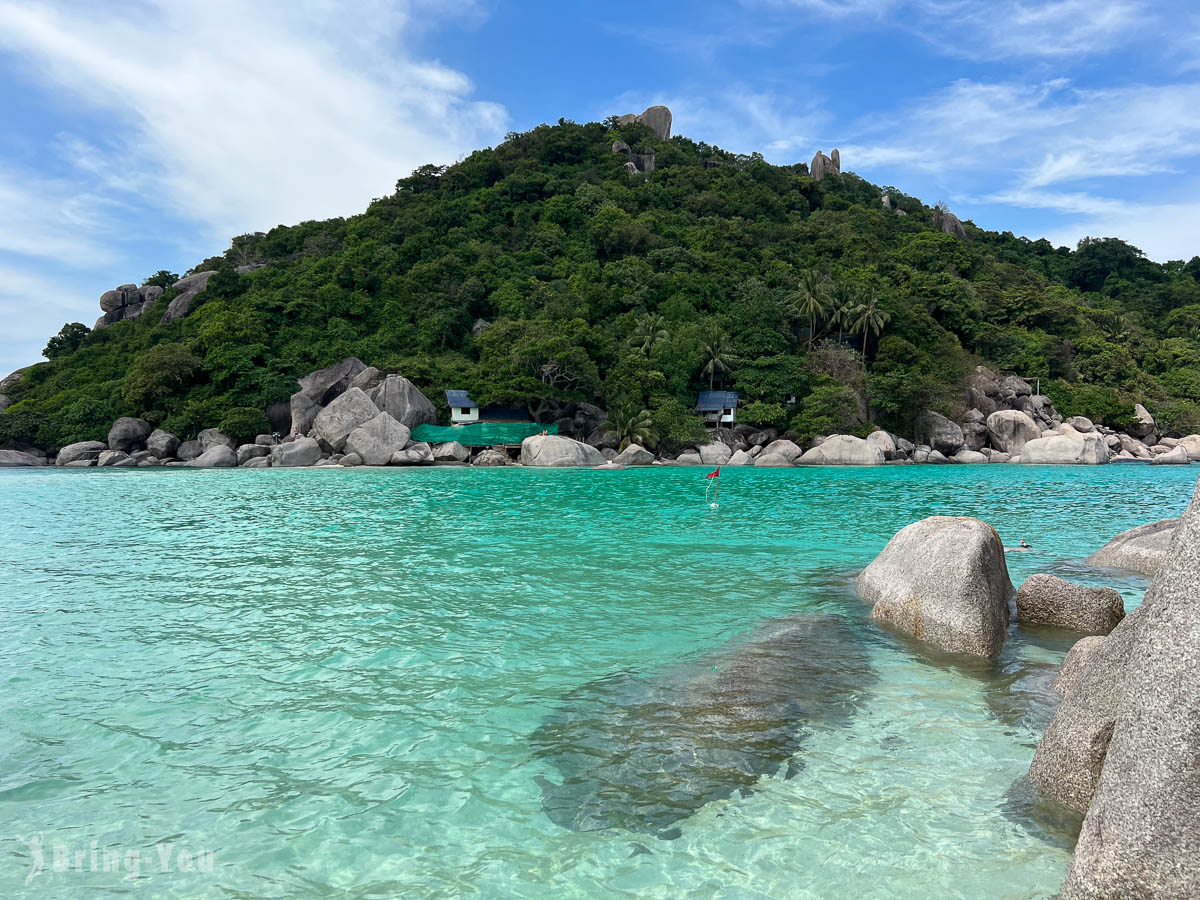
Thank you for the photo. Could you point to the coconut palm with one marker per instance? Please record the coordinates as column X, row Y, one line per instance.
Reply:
column 717, row 354
column 842, row 300
column 867, row 320
column 810, row 300
column 649, row 331
column 631, row 426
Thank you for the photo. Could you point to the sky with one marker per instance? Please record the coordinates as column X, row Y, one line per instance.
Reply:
column 143, row 135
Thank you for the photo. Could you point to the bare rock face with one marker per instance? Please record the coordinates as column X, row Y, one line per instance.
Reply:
column 162, row 444
column 943, row 580
column 127, row 301
column 128, row 434
column 1141, row 834
column 187, row 289
column 1067, row 763
column 1010, row 430
column 634, row 455
column 552, row 450
column 1050, row 601
column 377, row 440
column 81, row 450
column 844, row 450
column 404, row 402
column 1075, row 662
column 656, row 118
column 303, row 451
column 951, row 224
column 940, row 433
column 1146, row 426
column 1140, row 549
column 1066, row 447
column 323, row 385
column 345, row 413
column 823, row 165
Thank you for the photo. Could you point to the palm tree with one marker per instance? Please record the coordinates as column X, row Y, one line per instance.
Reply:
column 717, row 353
column 631, row 426
column 843, row 299
column 868, row 320
column 810, row 300
column 649, row 331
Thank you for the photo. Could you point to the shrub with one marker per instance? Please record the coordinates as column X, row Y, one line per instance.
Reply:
column 243, row 424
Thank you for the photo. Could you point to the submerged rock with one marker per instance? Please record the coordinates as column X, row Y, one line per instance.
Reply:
column 943, row 580
column 1140, row 549
column 645, row 753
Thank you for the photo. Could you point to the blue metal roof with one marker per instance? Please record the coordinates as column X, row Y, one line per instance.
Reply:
column 460, row 399
column 711, row 401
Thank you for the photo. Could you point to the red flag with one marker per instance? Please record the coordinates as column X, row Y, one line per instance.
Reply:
column 716, row 474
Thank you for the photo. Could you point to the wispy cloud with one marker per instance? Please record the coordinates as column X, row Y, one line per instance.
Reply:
column 302, row 110
column 996, row 29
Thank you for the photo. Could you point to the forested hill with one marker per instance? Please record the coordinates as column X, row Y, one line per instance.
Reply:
column 542, row 272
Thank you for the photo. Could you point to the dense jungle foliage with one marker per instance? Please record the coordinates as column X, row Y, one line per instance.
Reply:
column 826, row 310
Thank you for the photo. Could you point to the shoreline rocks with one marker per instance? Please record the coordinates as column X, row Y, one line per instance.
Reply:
column 943, row 580
column 1047, row 600
column 1141, row 549
column 554, row 451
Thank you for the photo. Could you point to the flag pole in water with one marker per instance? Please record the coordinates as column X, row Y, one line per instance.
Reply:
column 714, row 482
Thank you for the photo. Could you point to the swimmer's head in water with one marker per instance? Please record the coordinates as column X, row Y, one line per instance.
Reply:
column 1023, row 544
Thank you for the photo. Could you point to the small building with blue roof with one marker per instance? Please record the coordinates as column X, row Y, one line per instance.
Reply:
column 717, row 408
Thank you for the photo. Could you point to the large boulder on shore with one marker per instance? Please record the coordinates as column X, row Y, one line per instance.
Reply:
column 1010, row 430
column 1176, row 456
column 377, row 440
column 162, row 444
column 81, row 450
column 403, row 401
column 1140, row 549
column 1141, row 834
column 247, row 452
column 939, row 433
column 344, row 413
column 304, row 411
column 451, row 451
column 218, row 456
column 19, row 458
column 843, row 450
column 303, row 451
column 715, row 454
column 943, row 580
column 1047, row 600
column 128, row 434
column 212, row 437
column 323, row 385
column 783, row 447
column 555, row 451
column 491, row 457
column 418, row 454
column 1067, row 447
column 1191, row 444
column 634, row 455
column 1145, row 425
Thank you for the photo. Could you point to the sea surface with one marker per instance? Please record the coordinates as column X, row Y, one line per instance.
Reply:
column 521, row 683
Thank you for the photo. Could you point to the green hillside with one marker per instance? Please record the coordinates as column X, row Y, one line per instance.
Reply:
column 635, row 291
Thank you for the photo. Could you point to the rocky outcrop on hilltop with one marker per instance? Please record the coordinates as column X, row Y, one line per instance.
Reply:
column 636, row 162
column 823, row 165
column 128, row 301
column 656, row 118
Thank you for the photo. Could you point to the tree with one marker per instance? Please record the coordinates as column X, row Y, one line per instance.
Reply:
column 163, row 278
column 717, row 355
column 868, row 320
column 631, row 426
column 648, row 333
column 158, row 373
column 843, row 298
column 68, row 340
column 810, row 300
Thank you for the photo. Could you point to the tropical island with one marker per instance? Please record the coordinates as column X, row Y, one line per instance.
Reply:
column 599, row 278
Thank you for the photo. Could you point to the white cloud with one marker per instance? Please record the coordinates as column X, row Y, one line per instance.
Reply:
column 242, row 116
column 995, row 29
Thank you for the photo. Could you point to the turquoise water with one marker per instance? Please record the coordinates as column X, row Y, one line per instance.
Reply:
column 340, row 682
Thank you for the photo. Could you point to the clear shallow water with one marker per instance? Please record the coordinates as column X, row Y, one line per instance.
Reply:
column 339, row 681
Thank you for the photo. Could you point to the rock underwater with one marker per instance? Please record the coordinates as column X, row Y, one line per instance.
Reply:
column 644, row 753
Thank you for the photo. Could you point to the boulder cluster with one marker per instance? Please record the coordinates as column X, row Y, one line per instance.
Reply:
column 656, row 118
column 128, row 301
column 1122, row 747
column 823, row 165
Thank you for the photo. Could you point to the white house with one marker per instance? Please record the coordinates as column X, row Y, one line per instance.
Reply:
column 463, row 410
column 717, row 408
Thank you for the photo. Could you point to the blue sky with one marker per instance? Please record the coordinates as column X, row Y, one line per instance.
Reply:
column 143, row 135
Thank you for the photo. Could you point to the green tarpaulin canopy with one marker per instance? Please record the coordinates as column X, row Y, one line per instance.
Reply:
column 481, row 434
